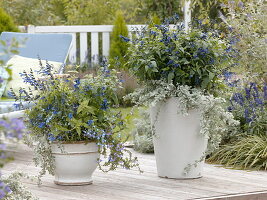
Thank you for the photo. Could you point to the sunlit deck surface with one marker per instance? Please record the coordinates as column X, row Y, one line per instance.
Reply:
column 217, row 183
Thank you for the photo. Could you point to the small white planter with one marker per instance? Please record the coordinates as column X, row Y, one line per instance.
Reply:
column 177, row 141
column 76, row 164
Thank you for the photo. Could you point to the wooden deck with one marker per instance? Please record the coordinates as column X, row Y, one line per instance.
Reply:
column 217, row 183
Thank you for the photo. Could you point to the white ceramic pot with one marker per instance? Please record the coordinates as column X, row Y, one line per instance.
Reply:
column 76, row 163
column 177, row 140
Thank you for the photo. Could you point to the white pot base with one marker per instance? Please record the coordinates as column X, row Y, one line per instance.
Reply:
column 73, row 184
column 182, row 178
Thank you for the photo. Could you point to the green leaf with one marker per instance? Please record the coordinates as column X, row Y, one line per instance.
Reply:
column 205, row 82
column 170, row 77
column 154, row 64
column 84, row 105
column 211, row 75
column 115, row 98
column 199, row 71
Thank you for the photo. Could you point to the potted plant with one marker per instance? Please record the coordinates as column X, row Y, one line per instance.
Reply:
column 72, row 123
column 180, row 73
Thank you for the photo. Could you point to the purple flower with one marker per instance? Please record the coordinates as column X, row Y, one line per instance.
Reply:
column 241, row 4
column 247, row 90
column 2, row 146
column 247, row 116
column 238, row 98
column 7, row 189
column 2, row 155
column 2, row 194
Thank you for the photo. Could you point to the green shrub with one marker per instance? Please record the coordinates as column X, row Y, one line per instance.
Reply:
column 162, row 8
column 143, row 134
column 154, row 20
column 248, row 31
column 246, row 153
column 6, row 22
column 93, row 12
column 118, row 47
column 34, row 12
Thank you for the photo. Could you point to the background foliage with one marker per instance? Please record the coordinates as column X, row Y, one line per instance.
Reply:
column 162, row 8
column 6, row 22
column 248, row 32
column 35, row 12
column 118, row 48
column 211, row 10
column 246, row 27
column 90, row 12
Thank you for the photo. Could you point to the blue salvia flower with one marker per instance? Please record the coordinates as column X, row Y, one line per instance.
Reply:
column 255, row 91
column 70, row 115
column 170, row 62
column 77, row 83
column 87, row 88
column 11, row 94
column 247, row 90
column 265, row 91
column 51, row 137
column 258, row 101
column 104, row 104
column 203, row 36
column 41, row 125
column 90, row 122
column 125, row 39
column 153, row 33
column 17, row 106
column 59, row 137
column 238, row 98
column 247, row 116
column 203, row 51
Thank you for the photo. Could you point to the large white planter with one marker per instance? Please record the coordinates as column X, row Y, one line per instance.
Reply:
column 177, row 140
column 75, row 164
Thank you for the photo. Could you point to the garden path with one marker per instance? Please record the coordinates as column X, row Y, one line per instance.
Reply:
column 217, row 183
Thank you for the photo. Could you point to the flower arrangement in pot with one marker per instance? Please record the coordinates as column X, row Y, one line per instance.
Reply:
column 72, row 123
column 180, row 74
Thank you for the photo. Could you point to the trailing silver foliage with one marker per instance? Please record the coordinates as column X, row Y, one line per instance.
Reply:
column 18, row 190
column 142, row 133
column 215, row 120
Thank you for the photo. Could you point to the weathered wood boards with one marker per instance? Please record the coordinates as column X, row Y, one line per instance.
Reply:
column 122, row 184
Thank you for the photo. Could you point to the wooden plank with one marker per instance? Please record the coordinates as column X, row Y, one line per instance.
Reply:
column 83, row 48
column 129, row 184
column 73, row 49
column 246, row 196
column 94, row 47
column 105, row 43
